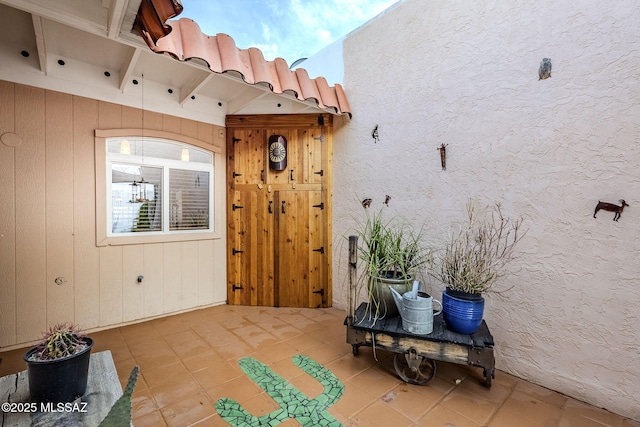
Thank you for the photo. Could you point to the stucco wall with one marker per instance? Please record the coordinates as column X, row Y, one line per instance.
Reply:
column 466, row 74
column 48, row 223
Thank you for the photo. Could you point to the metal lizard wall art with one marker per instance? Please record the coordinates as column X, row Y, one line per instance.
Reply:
column 293, row 403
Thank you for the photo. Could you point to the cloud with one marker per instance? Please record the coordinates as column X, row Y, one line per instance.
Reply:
column 266, row 31
column 291, row 29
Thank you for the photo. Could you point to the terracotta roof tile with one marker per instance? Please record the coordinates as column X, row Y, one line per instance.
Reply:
column 186, row 41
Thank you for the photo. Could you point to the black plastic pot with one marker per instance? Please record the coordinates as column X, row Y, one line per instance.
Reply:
column 59, row 380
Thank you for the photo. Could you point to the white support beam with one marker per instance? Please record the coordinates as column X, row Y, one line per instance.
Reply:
column 41, row 45
column 127, row 67
column 189, row 90
column 247, row 97
column 116, row 16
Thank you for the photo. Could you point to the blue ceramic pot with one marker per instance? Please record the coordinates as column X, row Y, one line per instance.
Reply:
column 462, row 315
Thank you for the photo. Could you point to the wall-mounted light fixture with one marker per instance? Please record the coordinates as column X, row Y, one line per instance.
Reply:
column 125, row 147
column 184, row 156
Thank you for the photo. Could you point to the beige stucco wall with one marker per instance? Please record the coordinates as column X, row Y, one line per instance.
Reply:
column 48, row 223
column 466, row 74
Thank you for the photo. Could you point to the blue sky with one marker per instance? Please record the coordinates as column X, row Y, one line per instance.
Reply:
column 290, row 29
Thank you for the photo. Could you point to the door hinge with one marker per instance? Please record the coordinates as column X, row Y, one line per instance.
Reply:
column 321, row 250
column 236, row 287
column 319, row 138
column 236, row 140
column 235, row 251
column 321, row 173
column 234, row 207
column 236, row 175
column 321, row 292
column 321, row 205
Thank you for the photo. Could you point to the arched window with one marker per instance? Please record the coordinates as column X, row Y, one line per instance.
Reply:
column 158, row 187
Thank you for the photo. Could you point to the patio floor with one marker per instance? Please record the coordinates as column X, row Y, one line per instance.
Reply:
column 190, row 361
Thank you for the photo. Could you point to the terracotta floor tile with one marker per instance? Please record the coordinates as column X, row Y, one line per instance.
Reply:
column 153, row 419
column 189, row 361
column 507, row 418
column 411, row 404
column 528, row 407
column 218, row 373
column 188, row 410
column 472, row 407
column 541, row 393
column 255, row 336
column 260, row 405
column 308, row 385
column 375, row 383
column 142, row 402
column 197, row 361
column 168, row 393
column 212, row 421
column 274, row 352
column 324, row 354
column 441, row 416
column 574, row 407
column 157, row 375
column 285, row 367
column 352, row 401
column 239, row 389
column 347, row 366
column 495, row 394
column 380, row 414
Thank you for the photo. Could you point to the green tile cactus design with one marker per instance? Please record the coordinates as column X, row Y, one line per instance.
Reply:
column 293, row 403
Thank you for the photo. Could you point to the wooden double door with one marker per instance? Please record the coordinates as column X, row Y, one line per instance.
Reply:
column 279, row 245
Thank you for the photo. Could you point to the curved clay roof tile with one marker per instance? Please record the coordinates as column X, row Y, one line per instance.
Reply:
column 186, row 41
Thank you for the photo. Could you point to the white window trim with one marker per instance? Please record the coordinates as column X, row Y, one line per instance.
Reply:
column 103, row 171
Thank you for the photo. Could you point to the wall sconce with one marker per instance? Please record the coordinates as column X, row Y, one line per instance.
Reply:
column 125, row 148
column 184, row 156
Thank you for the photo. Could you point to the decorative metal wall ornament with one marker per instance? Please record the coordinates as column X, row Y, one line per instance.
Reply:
column 443, row 156
column 366, row 203
column 277, row 152
column 611, row 208
column 387, row 199
column 374, row 134
column 544, row 72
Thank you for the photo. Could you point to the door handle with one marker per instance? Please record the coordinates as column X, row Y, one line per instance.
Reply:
column 270, row 206
column 291, row 175
column 283, row 203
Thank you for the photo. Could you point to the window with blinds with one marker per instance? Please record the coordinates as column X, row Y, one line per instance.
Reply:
column 158, row 186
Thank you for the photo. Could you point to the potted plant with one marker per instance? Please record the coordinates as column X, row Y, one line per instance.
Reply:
column 58, row 366
column 471, row 263
column 392, row 253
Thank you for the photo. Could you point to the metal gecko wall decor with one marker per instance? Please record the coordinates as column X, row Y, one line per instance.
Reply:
column 293, row 403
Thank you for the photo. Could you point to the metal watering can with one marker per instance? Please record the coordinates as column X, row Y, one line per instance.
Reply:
column 416, row 310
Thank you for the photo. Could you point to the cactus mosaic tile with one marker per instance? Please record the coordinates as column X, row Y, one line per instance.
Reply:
column 293, row 403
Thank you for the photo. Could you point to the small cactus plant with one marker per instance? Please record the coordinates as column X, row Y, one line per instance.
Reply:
column 60, row 340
